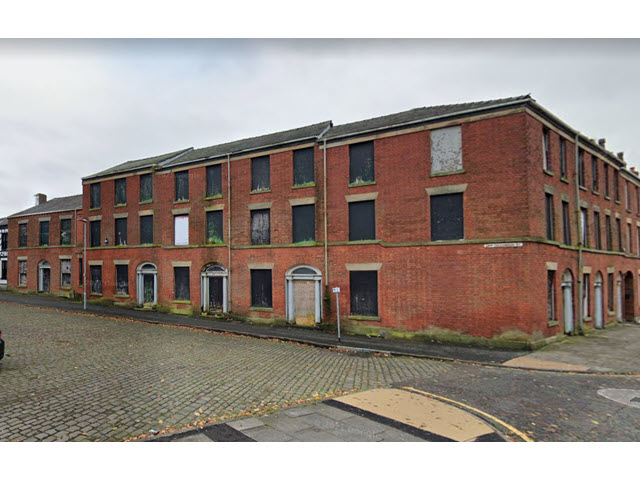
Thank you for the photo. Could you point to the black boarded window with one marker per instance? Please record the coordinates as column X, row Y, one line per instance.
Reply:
column 122, row 280
column 362, row 220
column 96, row 278
column 94, row 228
column 94, row 195
column 146, row 187
column 361, row 163
column 80, row 272
column 182, row 186
column 65, row 231
column 566, row 227
column 121, row 231
column 214, row 180
column 304, row 223
column 610, row 291
column 44, row 233
column 65, row 273
column 146, row 229
column 260, row 174
column 261, row 288
column 303, row 173
column 121, row 191
column 608, row 233
column 260, row 227
column 181, row 289
column 364, row 293
column 214, row 226
column 549, row 216
column 447, row 217
column 22, row 235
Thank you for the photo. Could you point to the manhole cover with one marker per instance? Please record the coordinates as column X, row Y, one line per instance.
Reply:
column 630, row 398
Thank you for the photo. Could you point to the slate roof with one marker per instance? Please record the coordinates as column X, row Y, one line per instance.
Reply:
column 4, row 222
column 60, row 204
column 418, row 115
column 138, row 164
column 309, row 132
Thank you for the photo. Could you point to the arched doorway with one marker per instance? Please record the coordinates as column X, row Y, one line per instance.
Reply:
column 147, row 284
column 567, row 301
column 44, row 277
column 213, row 289
column 619, row 305
column 598, row 314
column 629, row 314
column 304, row 295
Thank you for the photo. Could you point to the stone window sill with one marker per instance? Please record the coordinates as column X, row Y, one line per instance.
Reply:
column 364, row 318
column 548, row 172
column 213, row 197
column 583, row 188
column 362, row 184
column 121, row 295
column 552, row 323
column 453, row 172
column 257, row 192
column 305, row 185
column 564, row 179
column 261, row 309
column 181, row 201
column 119, row 205
column 182, row 302
column 145, row 202
column 95, row 294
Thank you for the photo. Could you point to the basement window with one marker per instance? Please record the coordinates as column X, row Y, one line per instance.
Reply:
column 94, row 195
column 96, row 278
column 146, row 229
column 182, row 186
column 121, row 231
column 44, row 233
column 261, row 289
column 303, row 173
column 361, row 163
column 304, row 223
column 181, row 289
column 446, row 150
column 363, row 287
column 214, row 227
column 22, row 235
column 122, row 279
column 94, row 227
column 146, row 187
column 214, row 180
column 260, row 174
column 447, row 217
column 121, row 191
column 181, row 229
column 22, row 273
column 65, row 273
column 362, row 220
column 65, row 231
column 260, row 227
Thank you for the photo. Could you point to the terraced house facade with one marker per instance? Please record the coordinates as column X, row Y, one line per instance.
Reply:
column 487, row 219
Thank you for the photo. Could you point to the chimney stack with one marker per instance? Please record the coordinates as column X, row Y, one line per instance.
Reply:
column 40, row 198
column 602, row 141
column 621, row 155
column 634, row 171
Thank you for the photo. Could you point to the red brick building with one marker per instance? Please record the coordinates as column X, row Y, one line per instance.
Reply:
column 448, row 221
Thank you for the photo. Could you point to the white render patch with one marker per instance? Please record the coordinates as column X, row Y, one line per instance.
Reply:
column 446, row 150
column 631, row 398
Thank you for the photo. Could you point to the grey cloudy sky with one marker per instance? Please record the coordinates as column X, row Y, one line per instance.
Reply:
column 69, row 108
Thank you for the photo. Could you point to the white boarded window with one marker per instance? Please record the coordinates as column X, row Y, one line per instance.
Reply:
column 446, row 150
column 181, row 229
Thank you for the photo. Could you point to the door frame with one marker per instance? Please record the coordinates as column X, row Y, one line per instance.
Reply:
column 43, row 265
column 214, row 270
column 140, row 273
column 290, row 277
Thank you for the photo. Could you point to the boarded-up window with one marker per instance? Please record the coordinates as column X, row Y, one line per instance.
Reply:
column 566, row 226
column 608, row 233
column 122, row 280
column 121, row 231
column 65, row 273
column 546, row 157
column 22, row 235
column 563, row 158
column 22, row 273
column 65, row 231
column 94, row 227
column 260, row 227
column 303, row 166
column 447, row 217
column 260, row 174
column 304, row 223
column 364, row 293
column 181, row 288
column 619, row 235
column 146, row 229
column 596, row 230
column 94, row 195
column 549, row 216
column 616, row 186
column 361, row 163
column 261, row 289
column 362, row 220
column 96, row 278
column 182, row 186
column 181, row 229
column 594, row 174
column 551, row 295
column 80, row 272
column 606, row 180
column 44, row 233
column 214, row 180
column 446, row 150
column 121, row 191
column 610, row 291
column 214, row 227
column 146, row 187
column 581, row 168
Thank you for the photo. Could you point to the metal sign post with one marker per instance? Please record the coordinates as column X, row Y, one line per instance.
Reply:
column 336, row 290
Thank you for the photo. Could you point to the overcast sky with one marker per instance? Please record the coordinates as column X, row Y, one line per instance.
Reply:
column 69, row 108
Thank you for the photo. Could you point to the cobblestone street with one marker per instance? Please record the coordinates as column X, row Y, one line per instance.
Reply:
column 80, row 377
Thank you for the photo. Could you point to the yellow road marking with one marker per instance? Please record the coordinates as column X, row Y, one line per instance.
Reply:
column 511, row 428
